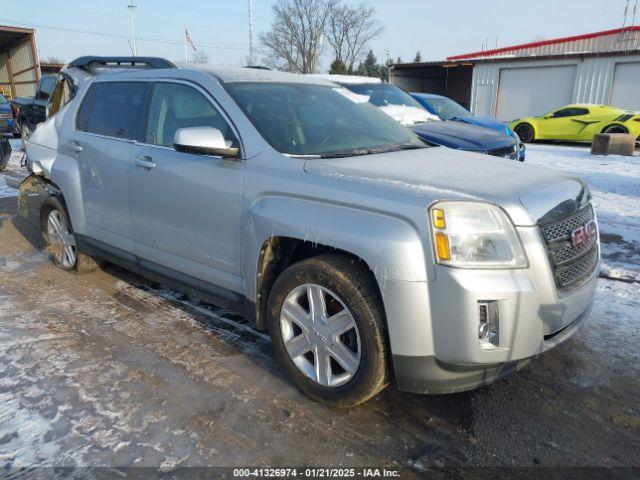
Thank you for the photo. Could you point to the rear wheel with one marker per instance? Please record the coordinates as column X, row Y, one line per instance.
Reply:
column 61, row 242
column 327, row 325
column 615, row 129
column 525, row 132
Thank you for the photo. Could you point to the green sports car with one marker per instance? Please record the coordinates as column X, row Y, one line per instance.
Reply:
column 577, row 123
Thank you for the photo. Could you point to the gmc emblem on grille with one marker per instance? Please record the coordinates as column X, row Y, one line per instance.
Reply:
column 584, row 234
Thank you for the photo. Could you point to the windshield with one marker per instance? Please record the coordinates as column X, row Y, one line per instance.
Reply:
column 446, row 108
column 383, row 94
column 317, row 120
column 3, row 99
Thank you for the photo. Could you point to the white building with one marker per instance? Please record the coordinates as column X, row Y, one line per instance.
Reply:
column 534, row 78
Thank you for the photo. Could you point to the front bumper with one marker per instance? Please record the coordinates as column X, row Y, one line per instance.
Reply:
column 428, row 375
column 533, row 317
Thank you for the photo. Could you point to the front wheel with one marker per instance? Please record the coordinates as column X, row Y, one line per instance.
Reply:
column 327, row 325
column 525, row 132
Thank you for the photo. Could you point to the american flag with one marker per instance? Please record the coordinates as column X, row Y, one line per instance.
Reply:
column 187, row 39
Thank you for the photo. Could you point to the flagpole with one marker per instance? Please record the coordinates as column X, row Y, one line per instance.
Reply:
column 186, row 50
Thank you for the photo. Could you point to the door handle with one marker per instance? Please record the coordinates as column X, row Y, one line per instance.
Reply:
column 75, row 147
column 145, row 162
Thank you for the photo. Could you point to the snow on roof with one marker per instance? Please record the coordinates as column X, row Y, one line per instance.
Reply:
column 240, row 74
column 351, row 79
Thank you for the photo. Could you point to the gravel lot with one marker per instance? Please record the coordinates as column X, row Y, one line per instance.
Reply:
column 108, row 369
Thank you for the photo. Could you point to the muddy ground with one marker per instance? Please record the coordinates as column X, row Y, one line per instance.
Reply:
column 108, row 369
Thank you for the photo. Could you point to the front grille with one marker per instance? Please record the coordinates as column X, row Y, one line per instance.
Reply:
column 509, row 152
column 561, row 229
column 571, row 265
column 576, row 271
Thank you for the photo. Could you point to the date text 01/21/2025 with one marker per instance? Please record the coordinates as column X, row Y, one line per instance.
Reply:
column 315, row 472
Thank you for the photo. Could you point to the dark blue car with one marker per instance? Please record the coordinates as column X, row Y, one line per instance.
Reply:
column 401, row 106
column 448, row 110
column 6, row 116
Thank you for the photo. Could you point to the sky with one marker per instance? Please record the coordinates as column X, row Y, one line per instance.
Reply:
column 220, row 28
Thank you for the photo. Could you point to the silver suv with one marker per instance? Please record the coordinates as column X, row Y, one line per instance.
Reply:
column 370, row 257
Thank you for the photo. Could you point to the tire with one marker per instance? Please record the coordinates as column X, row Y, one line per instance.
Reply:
column 350, row 295
column 614, row 129
column 526, row 132
column 63, row 251
column 25, row 133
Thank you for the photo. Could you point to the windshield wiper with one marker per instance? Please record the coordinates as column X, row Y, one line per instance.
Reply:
column 354, row 152
column 347, row 152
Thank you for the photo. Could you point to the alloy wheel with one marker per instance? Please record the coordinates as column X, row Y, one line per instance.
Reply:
column 525, row 132
column 62, row 244
column 320, row 335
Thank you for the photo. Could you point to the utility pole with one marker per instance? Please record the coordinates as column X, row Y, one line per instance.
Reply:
column 132, row 7
column 251, row 59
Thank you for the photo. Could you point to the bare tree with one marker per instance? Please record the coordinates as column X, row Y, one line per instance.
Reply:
column 200, row 57
column 54, row 60
column 295, row 38
column 349, row 29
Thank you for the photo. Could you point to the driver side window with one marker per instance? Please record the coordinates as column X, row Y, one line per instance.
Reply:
column 174, row 106
column 570, row 112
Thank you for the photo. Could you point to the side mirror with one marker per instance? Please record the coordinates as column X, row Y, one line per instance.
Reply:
column 203, row 141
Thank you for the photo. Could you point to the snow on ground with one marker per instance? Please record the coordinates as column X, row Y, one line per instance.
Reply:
column 615, row 184
column 13, row 170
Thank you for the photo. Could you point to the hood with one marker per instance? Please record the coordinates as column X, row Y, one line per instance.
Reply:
column 487, row 122
column 528, row 193
column 409, row 115
column 462, row 136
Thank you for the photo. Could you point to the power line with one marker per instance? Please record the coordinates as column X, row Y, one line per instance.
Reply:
column 165, row 41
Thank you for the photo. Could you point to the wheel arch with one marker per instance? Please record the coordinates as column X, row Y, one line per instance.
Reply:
column 278, row 253
column 614, row 124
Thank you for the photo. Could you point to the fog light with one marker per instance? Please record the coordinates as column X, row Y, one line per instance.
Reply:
column 488, row 323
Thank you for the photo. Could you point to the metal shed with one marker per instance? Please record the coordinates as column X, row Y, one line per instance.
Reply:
column 534, row 78
column 451, row 79
column 19, row 66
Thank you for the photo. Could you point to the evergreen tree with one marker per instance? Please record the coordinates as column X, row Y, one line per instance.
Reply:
column 399, row 60
column 371, row 67
column 338, row 67
column 418, row 58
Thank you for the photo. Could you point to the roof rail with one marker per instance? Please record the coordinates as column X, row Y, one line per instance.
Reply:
column 90, row 62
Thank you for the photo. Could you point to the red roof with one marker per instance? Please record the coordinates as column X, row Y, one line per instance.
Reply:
column 497, row 51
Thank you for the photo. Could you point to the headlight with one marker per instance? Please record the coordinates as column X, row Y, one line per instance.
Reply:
column 475, row 235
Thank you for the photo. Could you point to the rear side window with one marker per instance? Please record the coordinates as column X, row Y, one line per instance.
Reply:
column 112, row 109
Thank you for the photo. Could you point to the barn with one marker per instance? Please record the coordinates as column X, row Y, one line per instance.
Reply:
column 19, row 66
column 534, row 78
